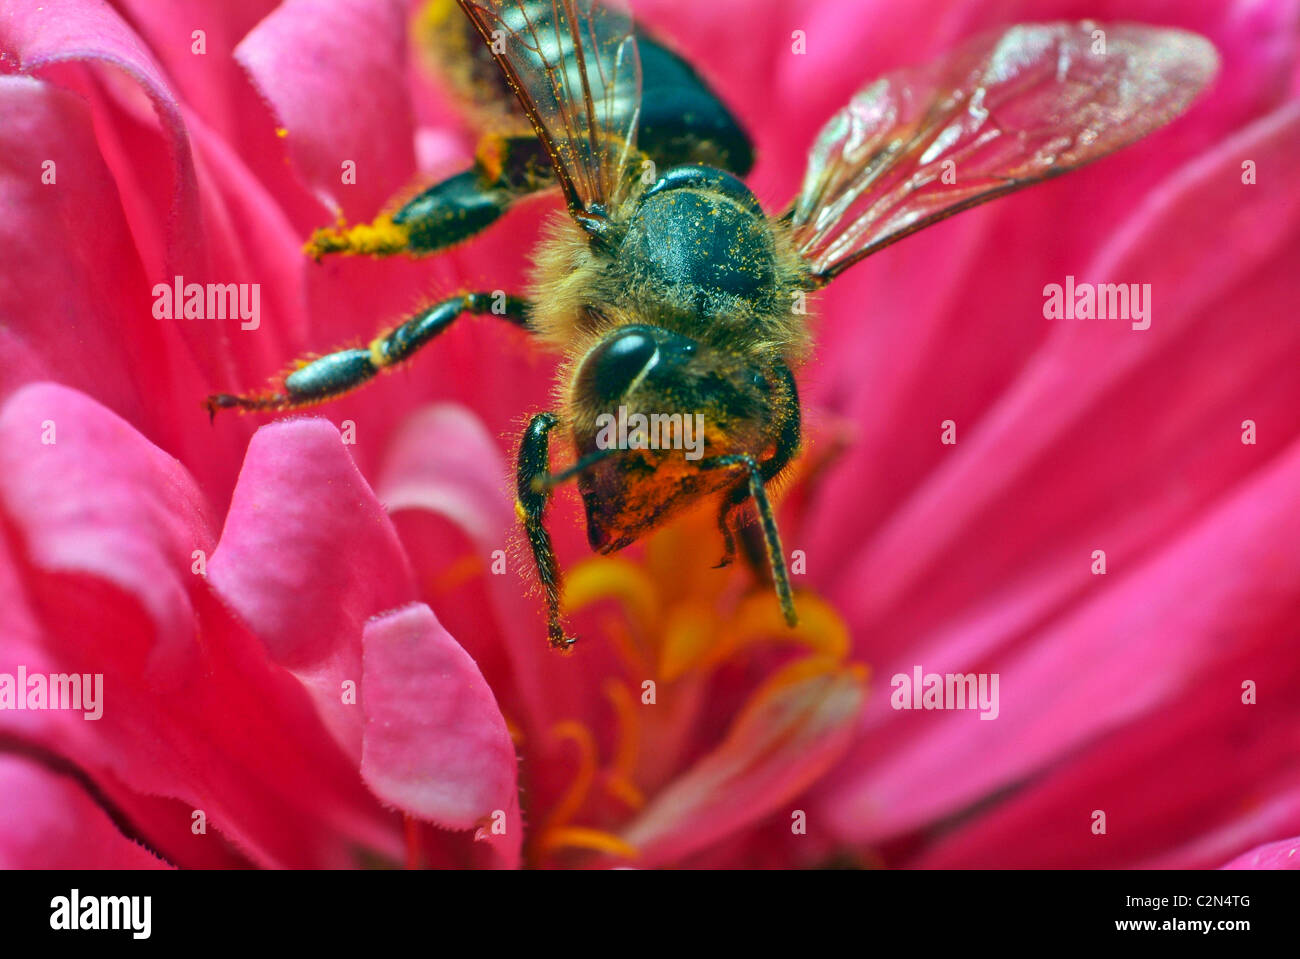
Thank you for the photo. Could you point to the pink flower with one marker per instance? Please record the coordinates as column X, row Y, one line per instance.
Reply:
column 307, row 656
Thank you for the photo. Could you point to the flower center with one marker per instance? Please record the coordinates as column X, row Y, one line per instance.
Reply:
column 677, row 624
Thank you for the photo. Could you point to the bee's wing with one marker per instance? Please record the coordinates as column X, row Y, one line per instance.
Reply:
column 574, row 66
column 1007, row 109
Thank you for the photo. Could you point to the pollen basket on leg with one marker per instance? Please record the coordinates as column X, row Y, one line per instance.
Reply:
column 380, row 237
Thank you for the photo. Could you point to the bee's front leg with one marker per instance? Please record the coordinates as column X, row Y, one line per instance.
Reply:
column 534, row 482
column 533, row 492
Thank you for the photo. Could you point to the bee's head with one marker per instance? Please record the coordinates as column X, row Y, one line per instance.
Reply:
column 666, row 402
column 648, row 369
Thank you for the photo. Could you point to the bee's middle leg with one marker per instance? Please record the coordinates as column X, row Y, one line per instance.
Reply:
column 330, row 376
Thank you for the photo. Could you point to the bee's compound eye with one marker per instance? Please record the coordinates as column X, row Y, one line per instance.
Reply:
column 616, row 363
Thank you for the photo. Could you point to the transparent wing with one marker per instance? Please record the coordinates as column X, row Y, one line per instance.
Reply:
column 1000, row 113
column 573, row 65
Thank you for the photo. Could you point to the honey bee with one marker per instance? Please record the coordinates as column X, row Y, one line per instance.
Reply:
column 675, row 295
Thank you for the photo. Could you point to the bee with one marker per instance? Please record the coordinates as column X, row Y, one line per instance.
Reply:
column 676, row 296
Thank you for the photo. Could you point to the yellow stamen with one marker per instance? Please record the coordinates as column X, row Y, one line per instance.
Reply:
column 677, row 620
column 624, row 791
column 689, row 636
column 575, row 837
column 759, row 619
column 609, row 578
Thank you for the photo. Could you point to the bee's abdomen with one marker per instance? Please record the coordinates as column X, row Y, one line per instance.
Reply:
column 700, row 234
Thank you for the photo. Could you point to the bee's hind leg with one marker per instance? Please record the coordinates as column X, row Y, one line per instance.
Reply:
column 506, row 169
column 330, row 376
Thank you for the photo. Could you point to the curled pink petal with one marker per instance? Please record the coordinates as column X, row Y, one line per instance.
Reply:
column 335, row 74
column 51, row 823
column 435, row 744
column 306, row 557
column 138, row 531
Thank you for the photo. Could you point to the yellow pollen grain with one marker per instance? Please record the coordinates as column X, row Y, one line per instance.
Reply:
column 381, row 237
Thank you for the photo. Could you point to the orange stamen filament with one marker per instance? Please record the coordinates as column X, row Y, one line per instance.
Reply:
column 557, row 833
column 619, row 779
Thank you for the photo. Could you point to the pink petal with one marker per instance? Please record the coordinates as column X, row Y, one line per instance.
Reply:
column 306, row 557
column 150, row 155
column 443, row 460
column 1188, row 785
column 138, row 529
column 435, row 742
column 99, row 577
column 1220, row 350
column 56, row 31
column 335, row 74
column 994, row 551
column 51, row 823
column 776, row 748
column 1170, row 624
column 1284, row 854
column 73, row 289
column 211, row 82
